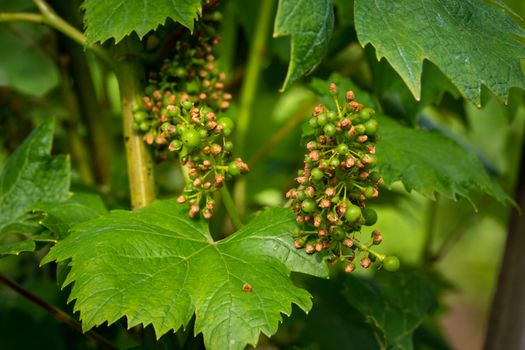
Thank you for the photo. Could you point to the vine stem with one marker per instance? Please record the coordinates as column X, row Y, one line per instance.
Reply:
column 253, row 72
column 140, row 166
column 367, row 249
column 49, row 16
column 249, row 88
column 57, row 313
column 227, row 200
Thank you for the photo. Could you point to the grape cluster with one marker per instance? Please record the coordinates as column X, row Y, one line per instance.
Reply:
column 338, row 178
column 181, row 113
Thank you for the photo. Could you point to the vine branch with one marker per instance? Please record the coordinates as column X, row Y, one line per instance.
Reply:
column 49, row 17
column 249, row 88
column 227, row 200
column 57, row 313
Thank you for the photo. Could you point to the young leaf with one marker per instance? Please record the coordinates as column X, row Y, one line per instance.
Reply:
column 31, row 176
column 394, row 311
column 117, row 18
column 429, row 162
column 472, row 42
column 310, row 24
column 156, row 266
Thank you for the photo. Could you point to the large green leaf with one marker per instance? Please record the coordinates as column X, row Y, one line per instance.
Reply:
column 428, row 162
column 117, row 18
column 472, row 42
column 156, row 266
column 31, row 176
column 310, row 24
column 395, row 310
column 22, row 67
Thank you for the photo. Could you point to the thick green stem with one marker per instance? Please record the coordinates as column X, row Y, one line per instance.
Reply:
column 130, row 75
column 253, row 72
column 58, row 314
column 227, row 200
column 249, row 89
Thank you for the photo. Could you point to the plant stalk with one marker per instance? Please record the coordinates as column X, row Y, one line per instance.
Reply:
column 227, row 200
column 57, row 313
column 253, row 73
column 249, row 90
column 130, row 75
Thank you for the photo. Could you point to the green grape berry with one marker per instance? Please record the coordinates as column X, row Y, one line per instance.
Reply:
column 366, row 113
column 226, row 123
column 322, row 119
column 342, row 148
column 187, row 105
column 368, row 192
column 360, row 129
column 234, row 169
column 228, row 146
column 339, row 234
column 317, row 174
column 370, row 216
column 391, row 263
column 329, row 129
column 352, row 213
column 144, row 126
column 308, row 206
column 140, row 116
column 191, row 138
column 371, row 127
column 312, row 123
column 335, row 162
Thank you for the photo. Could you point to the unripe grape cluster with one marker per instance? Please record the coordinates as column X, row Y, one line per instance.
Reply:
column 338, row 179
column 181, row 113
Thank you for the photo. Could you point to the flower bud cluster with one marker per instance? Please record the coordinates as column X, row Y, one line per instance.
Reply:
column 182, row 113
column 338, row 179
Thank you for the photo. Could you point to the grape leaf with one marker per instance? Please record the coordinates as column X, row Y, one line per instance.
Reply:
column 395, row 310
column 22, row 67
column 117, row 18
column 31, row 175
column 310, row 24
column 471, row 42
column 429, row 162
column 156, row 266
column 60, row 217
column 16, row 248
